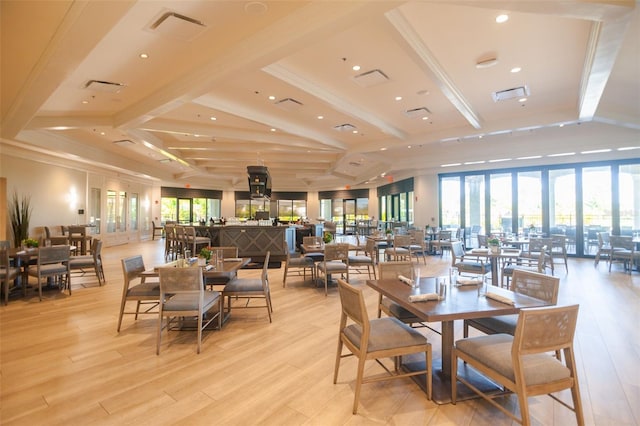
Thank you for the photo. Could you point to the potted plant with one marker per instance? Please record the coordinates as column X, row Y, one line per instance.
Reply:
column 30, row 243
column 327, row 237
column 494, row 244
column 205, row 253
column 20, row 215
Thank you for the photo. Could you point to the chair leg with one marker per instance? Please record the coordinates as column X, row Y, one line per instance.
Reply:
column 338, row 357
column 359, row 377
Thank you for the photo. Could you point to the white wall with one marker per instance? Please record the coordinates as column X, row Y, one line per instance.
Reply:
column 425, row 190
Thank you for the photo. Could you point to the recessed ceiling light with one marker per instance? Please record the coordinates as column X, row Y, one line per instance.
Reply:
column 85, row 102
column 502, row 18
column 354, row 131
column 144, row 56
column 499, row 160
column 628, row 148
column 212, row 118
column 467, row 163
column 272, row 129
column 383, row 149
column 320, row 117
column 272, row 98
column 450, row 165
column 409, row 146
column 398, row 98
column 522, row 100
column 425, row 118
column 356, row 68
column 516, row 69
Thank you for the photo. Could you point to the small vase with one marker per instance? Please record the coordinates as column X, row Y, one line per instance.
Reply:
column 495, row 249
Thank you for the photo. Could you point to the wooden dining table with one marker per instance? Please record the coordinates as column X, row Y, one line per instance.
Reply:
column 460, row 303
column 495, row 257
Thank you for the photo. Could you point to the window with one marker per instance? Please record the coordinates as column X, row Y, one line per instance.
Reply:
column 562, row 205
column 530, row 201
column 450, row 200
column 629, row 178
column 596, row 205
column 133, row 211
column 474, row 196
column 501, row 202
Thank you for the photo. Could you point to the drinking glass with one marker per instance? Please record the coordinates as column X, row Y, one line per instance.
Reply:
column 453, row 275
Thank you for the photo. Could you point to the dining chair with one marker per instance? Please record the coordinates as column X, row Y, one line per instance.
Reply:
column 468, row 264
column 400, row 248
column 137, row 289
column 52, row 264
column 521, row 362
column 182, row 295
column 442, row 242
column 558, row 250
column 155, row 229
column 170, row 242
column 604, row 248
column 93, row 260
column 55, row 240
column 623, row 250
column 8, row 273
column 336, row 261
column 535, row 245
column 250, row 288
column 539, row 264
column 375, row 340
column 364, row 263
column 482, row 241
column 296, row 265
column 78, row 237
column 194, row 242
column 391, row 270
column 311, row 240
column 529, row 283
column 418, row 246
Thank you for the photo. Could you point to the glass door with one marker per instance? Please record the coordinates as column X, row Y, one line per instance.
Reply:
column 117, row 213
column 184, row 210
column 349, row 218
column 596, row 205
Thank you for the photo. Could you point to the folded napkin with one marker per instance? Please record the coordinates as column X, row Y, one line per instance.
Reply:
column 21, row 252
column 468, row 281
column 208, row 267
column 405, row 280
column 480, row 250
column 232, row 259
column 500, row 298
column 423, row 297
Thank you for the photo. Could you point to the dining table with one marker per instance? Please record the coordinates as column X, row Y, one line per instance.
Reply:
column 460, row 302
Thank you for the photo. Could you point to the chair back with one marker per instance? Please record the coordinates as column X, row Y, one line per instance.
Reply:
column 603, row 240
column 229, row 252
column 370, row 247
column 353, row 306
column 5, row 244
column 4, row 260
column 401, row 241
column 390, row 270
column 311, row 240
column 444, row 235
column 457, row 251
column 96, row 250
column 53, row 254
column 621, row 242
column 534, row 284
column 336, row 252
column 181, row 281
column 132, row 267
column 536, row 244
column 482, row 241
column 265, row 275
column 79, row 231
column 544, row 330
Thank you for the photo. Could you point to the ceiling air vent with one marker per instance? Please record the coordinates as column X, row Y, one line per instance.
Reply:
column 104, row 86
column 345, row 127
column 371, row 78
column 515, row 93
column 288, row 104
column 176, row 25
column 417, row 112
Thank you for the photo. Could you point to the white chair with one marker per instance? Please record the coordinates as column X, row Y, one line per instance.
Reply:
column 182, row 295
column 375, row 340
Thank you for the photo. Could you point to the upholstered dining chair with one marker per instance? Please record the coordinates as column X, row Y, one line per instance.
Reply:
column 375, row 340
column 529, row 283
column 93, row 260
column 623, row 250
column 182, row 295
column 251, row 288
column 8, row 273
column 604, row 248
column 364, row 263
column 156, row 230
column 194, row 242
column 296, row 266
column 55, row 239
column 418, row 245
column 336, row 261
column 522, row 363
column 137, row 289
column 468, row 264
column 539, row 264
column 53, row 264
column 400, row 249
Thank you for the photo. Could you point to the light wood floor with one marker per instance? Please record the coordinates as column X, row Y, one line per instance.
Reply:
column 62, row 361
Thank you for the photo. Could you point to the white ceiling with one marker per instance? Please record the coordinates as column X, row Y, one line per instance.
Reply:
column 580, row 61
